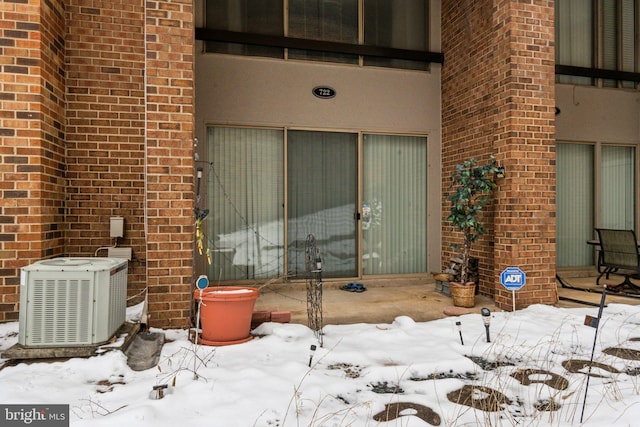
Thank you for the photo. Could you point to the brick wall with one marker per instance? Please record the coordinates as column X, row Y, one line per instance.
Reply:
column 85, row 136
column 467, row 107
column 498, row 98
column 75, row 75
column 525, row 213
column 130, row 139
column 105, row 62
column 31, row 140
column 170, row 168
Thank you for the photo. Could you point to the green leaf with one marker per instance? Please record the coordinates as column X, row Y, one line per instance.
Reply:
column 471, row 188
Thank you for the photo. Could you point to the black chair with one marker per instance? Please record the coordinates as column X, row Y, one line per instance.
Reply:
column 618, row 255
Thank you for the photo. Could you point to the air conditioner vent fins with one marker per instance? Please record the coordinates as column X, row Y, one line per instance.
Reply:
column 72, row 301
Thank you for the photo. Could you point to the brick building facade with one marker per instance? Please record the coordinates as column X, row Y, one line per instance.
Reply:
column 97, row 120
column 498, row 98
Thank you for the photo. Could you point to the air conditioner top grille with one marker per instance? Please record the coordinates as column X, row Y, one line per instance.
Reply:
column 74, row 264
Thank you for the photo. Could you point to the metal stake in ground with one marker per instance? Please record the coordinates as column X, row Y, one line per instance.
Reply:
column 594, row 323
column 314, row 287
column 459, row 325
column 196, row 330
column 202, row 283
column 513, row 279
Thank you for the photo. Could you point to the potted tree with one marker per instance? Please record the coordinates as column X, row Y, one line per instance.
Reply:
column 471, row 185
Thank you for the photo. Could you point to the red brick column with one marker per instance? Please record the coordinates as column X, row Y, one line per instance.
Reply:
column 525, row 223
column 169, row 149
column 105, row 60
column 498, row 98
column 31, row 140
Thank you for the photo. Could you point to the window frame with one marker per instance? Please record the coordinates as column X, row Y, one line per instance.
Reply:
column 213, row 176
column 595, row 209
column 285, row 42
column 597, row 72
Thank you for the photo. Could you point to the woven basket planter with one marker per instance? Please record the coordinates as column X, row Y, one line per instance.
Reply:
column 463, row 295
column 443, row 277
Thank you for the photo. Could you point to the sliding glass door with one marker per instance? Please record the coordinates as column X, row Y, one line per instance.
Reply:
column 322, row 199
column 394, row 207
column 596, row 187
column 362, row 196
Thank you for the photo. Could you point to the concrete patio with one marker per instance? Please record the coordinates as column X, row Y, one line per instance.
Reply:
column 382, row 303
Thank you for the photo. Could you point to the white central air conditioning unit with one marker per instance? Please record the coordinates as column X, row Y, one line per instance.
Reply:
column 72, row 301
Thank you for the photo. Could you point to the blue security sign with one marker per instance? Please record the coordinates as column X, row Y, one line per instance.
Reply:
column 513, row 278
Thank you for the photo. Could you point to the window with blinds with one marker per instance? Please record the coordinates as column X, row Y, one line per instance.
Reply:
column 345, row 26
column 600, row 34
column 363, row 197
column 596, row 187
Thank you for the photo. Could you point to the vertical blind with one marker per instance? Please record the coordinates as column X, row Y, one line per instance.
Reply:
column 327, row 20
column 628, row 39
column 577, row 200
column 322, row 195
column 245, row 197
column 606, row 39
column 395, row 180
column 618, row 187
column 618, row 34
column 574, row 204
column 574, row 36
column 400, row 24
column 248, row 16
column 245, row 194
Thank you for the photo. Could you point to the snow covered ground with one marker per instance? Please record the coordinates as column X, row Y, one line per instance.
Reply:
column 533, row 373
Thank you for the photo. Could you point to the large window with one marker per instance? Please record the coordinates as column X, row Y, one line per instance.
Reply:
column 245, row 16
column 335, row 21
column 397, row 28
column 395, row 24
column 362, row 196
column 597, row 35
column 595, row 188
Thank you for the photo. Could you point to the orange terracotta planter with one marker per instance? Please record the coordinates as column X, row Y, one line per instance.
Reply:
column 225, row 314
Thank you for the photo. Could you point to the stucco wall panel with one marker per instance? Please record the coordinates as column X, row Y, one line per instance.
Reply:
column 592, row 114
column 239, row 90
